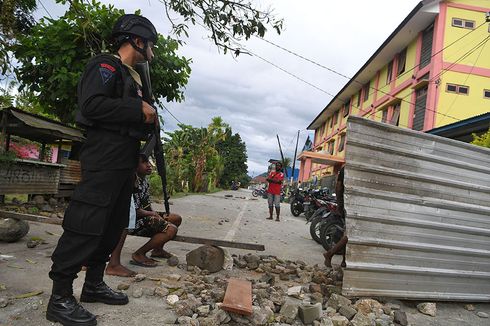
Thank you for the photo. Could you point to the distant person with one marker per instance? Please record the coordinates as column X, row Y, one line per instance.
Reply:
column 275, row 179
column 149, row 223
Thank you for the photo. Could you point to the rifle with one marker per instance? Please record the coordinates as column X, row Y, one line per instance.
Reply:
column 154, row 144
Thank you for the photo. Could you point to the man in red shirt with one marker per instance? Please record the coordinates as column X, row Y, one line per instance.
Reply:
column 275, row 179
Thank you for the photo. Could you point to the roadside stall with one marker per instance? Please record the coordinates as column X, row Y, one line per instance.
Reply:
column 50, row 173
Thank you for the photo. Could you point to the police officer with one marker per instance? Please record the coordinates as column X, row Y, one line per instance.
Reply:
column 116, row 117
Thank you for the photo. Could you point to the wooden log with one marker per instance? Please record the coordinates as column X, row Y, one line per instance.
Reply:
column 219, row 243
column 30, row 217
column 179, row 238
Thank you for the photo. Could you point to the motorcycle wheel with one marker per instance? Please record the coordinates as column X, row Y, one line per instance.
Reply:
column 315, row 227
column 296, row 208
column 331, row 232
column 255, row 193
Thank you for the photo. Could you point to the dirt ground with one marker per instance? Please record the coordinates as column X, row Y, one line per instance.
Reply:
column 239, row 218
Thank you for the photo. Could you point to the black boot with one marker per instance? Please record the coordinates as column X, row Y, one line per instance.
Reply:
column 100, row 292
column 67, row 311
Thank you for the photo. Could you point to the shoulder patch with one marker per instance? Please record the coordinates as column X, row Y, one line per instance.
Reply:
column 106, row 74
column 108, row 66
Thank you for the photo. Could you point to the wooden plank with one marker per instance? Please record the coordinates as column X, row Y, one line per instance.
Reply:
column 179, row 238
column 238, row 297
column 29, row 178
column 30, row 217
column 220, row 243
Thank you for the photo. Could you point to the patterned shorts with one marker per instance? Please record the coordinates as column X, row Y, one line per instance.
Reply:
column 148, row 226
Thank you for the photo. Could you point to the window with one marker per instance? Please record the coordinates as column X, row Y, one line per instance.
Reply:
column 486, row 93
column 389, row 74
column 463, row 23
column 346, row 108
column 341, row 143
column 365, row 90
column 331, row 122
column 395, row 117
column 335, row 117
column 359, row 98
column 384, row 117
column 402, row 60
column 331, row 146
column 458, row 89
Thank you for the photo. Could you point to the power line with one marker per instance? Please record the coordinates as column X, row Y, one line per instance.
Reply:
column 49, row 14
column 173, row 116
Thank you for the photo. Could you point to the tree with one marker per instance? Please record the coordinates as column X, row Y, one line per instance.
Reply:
column 53, row 55
column 483, row 140
column 234, row 153
column 228, row 21
column 16, row 19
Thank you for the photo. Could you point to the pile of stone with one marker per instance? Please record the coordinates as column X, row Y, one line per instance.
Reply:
column 38, row 205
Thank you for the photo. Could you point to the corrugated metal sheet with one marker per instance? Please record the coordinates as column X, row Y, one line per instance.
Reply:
column 418, row 215
column 71, row 173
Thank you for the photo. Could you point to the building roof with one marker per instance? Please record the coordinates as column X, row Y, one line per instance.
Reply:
column 417, row 20
column 259, row 179
column 38, row 128
column 464, row 129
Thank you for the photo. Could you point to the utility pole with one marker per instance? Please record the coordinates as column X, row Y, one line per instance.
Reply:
column 282, row 156
column 294, row 159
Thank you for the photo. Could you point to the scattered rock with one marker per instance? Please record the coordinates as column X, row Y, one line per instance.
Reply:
column 47, row 208
column 360, row 319
column 401, row 317
column 149, row 291
column 206, row 257
column 290, row 309
column 326, row 321
column 309, row 313
column 339, row 321
column 12, row 229
column 187, row 321
column 4, row 302
column 427, row 308
column 295, row 291
column 38, row 200
column 388, row 307
column 139, row 277
column 32, row 244
column 137, row 293
column 482, row 314
column 315, row 288
column 173, row 261
column 261, row 316
column 336, row 301
column 168, row 318
column 172, row 299
column 123, row 286
column 161, row 291
column 347, row 311
column 53, row 202
column 469, row 307
column 366, row 306
column 203, row 311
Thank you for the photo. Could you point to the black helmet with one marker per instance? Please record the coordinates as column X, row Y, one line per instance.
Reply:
column 132, row 24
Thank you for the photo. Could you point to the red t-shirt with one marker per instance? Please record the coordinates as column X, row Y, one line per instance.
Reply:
column 275, row 188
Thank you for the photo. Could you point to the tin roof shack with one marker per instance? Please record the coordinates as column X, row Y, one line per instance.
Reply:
column 418, row 215
column 34, row 176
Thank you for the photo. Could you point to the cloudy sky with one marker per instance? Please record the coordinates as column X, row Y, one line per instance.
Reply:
column 257, row 99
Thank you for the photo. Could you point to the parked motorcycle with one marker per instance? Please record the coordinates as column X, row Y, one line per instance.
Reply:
column 314, row 200
column 320, row 217
column 296, row 201
column 332, row 231
column 262, row 192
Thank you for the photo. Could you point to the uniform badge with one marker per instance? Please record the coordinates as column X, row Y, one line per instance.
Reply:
column 106, row 72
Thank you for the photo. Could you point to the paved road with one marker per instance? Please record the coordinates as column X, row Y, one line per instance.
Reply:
column 243, row 220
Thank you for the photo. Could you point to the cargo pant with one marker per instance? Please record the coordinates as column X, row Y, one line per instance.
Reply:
column 94, row 220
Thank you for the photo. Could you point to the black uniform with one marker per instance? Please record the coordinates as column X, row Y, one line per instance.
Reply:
column 110, row 102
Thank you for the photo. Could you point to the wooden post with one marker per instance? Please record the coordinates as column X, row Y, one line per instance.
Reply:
column 42, row 153
column 3, row 133
column 58, row 159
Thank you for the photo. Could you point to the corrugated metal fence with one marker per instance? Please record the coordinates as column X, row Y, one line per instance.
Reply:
column 418, row 215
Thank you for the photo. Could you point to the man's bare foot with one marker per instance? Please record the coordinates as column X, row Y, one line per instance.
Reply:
column 269, row 218
column 328, row 259
column 119, row 270
column 142, row 260
column 278, row 220
column 160, row 253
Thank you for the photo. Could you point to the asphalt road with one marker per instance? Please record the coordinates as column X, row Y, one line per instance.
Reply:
column 240, row 218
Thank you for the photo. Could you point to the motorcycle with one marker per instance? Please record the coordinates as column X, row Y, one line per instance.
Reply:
column 332, row 231
column 262, row 192
column 320, row 217
column 296, row 201
column 314, row 200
